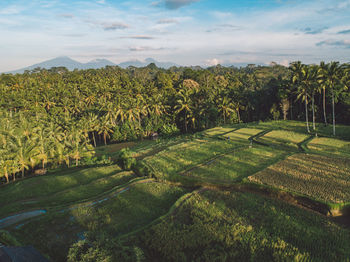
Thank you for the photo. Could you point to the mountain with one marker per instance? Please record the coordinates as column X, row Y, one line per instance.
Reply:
column 67, row 62
column 138, row 63
column 71, row 64
column 97, row 63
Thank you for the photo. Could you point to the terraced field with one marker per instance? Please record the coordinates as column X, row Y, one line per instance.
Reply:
column 319, row 177
column 180, row 157
column 332, row 146
column 133, row 207
column 283, row 138
column 236, row 165
column 57, row 189
column 233, row 226
column 183, row 213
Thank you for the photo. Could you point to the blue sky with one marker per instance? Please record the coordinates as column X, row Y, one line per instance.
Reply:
column 187, row 32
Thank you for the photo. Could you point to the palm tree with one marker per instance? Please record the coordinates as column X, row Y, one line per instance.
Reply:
column 323, row 87
column 183, row 105
column 302, row 78
column 225, row 107
column 331, row 77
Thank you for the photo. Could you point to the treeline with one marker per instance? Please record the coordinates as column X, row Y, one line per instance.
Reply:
column 56, row 116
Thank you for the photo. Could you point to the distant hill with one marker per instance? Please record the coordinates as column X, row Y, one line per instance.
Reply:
column 71, row 64
column 138, row 63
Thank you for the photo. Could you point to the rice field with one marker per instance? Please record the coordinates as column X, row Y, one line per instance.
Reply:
column 232, row 226
column 218, row 131
column 180, row 157
column 242, row 134
column 319, row 177
column 330, row 146
column 135, row 207
column 283, row 138
column 234, row 166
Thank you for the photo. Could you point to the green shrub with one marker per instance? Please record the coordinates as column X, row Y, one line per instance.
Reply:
column 126, row 159
column 168, row 130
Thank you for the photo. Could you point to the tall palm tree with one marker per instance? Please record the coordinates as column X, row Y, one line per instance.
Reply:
column 332, row 78
column 323, row 86
column 302, row 78
column 183, row 105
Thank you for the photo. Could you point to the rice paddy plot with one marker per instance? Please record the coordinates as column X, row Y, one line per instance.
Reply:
column 330, row 146
column 242, row 134
column 219, row 131
column 236, row 165
column 54, row 233
column 37, row 189
column 183, row 156
column 283, row 138
column 322, row 178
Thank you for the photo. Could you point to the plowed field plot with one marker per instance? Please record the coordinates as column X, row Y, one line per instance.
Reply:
column 322, row 178
column 283, row 138
column 330, row 145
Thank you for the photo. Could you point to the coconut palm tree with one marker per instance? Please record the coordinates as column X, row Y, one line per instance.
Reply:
column 331, row 76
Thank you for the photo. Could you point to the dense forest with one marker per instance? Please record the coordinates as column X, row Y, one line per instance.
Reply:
column 56, row 117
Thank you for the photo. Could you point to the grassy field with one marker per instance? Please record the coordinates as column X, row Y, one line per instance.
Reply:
column 139, row 205
column 327, row 145
column 236, row 165
column 319, row 177
column 60, row 188
column 232, row 226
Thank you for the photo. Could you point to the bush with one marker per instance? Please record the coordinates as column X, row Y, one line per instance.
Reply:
column 126, row 159
column 168, row 130
column 142, row 169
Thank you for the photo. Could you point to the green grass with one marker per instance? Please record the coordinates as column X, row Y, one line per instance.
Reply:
column 233, row 226
column 239, row 164
column 330, row 146
column 185, row 155
column 319, row 177
column 54, row 233
column 60, row 188
column 283, row 138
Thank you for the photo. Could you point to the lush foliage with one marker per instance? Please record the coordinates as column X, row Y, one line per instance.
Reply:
column 54, row 116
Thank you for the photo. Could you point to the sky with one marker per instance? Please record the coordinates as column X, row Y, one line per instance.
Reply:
column 186, row 32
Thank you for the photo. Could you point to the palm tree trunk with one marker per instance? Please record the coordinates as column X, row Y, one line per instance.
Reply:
column 93, row 137
column 7, row 177
column 333, row 111
column 22, row 172
column 324, row 106
column 186, row 122
column 313, row 111
column 291, row 109
column 306, row 116
column 105, row 138
column 239, row 116
column 224, row 119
